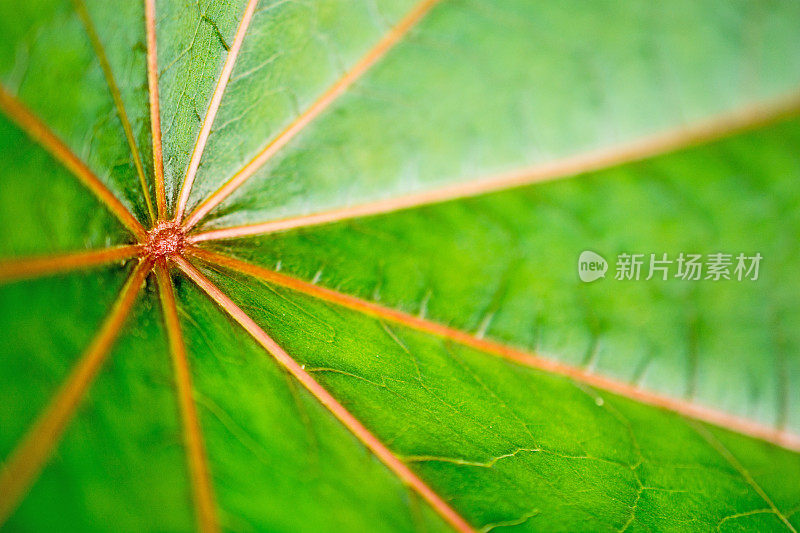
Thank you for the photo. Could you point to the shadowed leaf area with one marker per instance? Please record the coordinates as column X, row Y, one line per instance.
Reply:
column 360, row 308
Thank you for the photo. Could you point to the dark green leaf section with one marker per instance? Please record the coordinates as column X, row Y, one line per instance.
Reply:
column 292, row 53
column 47, row 323
column 121, row 465
column 279, row 460
column 482, row 86
column 770, row 471
column 510, row 445
column 505, row 266
column 120, row 27
column 47, row 60
column 43, row 208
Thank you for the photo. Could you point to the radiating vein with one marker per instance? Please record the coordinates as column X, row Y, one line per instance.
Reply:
column 83, row 13
column 28, row 267
column 205, row 507
column 213, row 107
column 321, row 104
column 325, row 398
column 731, row 459
column 718, row 127
column 40, row 133
column 744, row 426
column 29, row 457
column 155, row 109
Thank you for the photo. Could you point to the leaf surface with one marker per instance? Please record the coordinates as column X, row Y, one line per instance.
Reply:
column 504, row 266
column 347, row 306
column 427, row 115
column 508, row 444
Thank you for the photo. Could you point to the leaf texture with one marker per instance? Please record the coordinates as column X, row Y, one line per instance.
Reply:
column 273, row 265
column 504, row 266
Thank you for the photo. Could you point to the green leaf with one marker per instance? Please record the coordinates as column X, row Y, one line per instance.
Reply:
column 506, row 444
column 356, row 307
column 504, row 266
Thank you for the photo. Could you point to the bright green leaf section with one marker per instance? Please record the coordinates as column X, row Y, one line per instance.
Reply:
column 121, row 465
column 47, row 60
column 505, row 266
column 279, row 460
column 47, row 323
column 292, row 53
column 510, row 445
column 482, row 86
column 43, row 208
column 193, row 39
